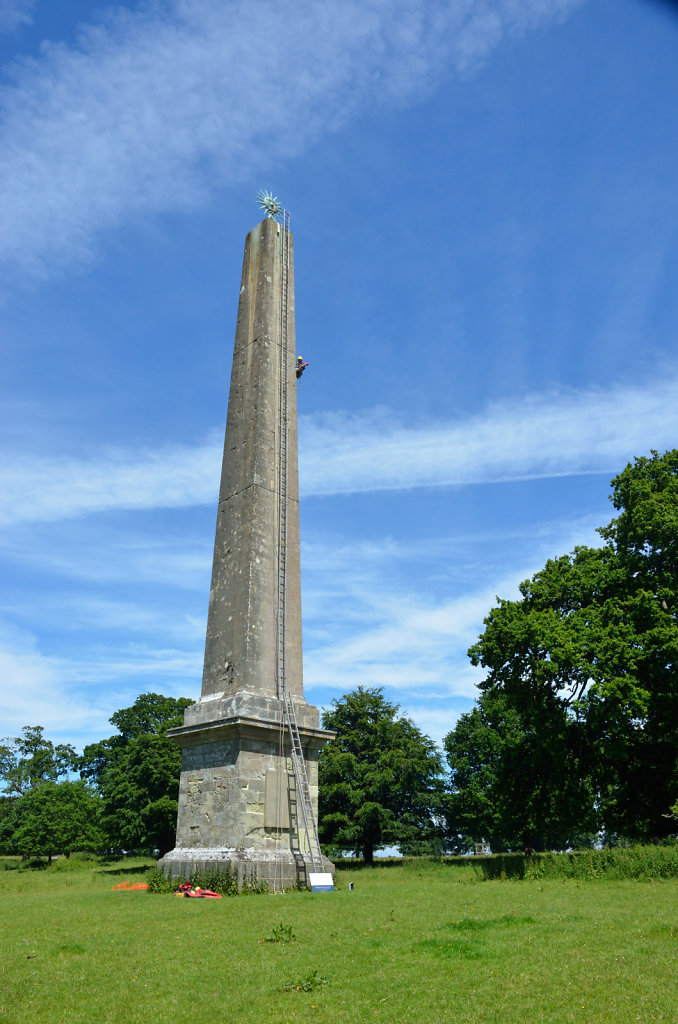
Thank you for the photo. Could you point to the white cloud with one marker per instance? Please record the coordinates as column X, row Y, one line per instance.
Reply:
column 434, row 720
column 153, row 109
column 14, row 13
column 85, row 614
column 40, row 489
column 365, row 627
column 142, row 666
column 65, row 694
column 335, row 557
column 543, row 435
column 35, row 691
column 540, row 436
column 405, row 644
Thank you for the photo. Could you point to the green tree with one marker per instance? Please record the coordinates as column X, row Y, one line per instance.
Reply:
column 136, row 773
column 516, row 783
column 639, row 777
column 7, row 822
column 30, row 760
column 56, row 817
column 476, row 750
column 139, row 789
column 150, row 715
column 380, row 778
column 586, row 659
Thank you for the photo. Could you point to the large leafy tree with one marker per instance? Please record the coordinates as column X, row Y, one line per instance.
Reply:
column 380, row 779
column 56, row 817
column 639, row 777
column 30, row 760
column 136, row 773
column 586, row 660
column 29, row 764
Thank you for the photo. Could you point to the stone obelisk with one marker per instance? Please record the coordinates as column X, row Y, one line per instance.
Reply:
column 238, row 804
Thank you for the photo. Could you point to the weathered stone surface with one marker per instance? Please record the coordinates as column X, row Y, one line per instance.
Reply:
column 260, row 706
column 280, row 869
column 233, row 739
column 240, row 648
column 223, row 779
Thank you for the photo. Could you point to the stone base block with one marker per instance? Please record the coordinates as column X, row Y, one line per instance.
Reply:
column 279, row 869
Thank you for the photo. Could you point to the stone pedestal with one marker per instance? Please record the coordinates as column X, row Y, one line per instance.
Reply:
column 237, row 784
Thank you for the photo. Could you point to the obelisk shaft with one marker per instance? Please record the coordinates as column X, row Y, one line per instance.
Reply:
column 240, row 794
column 242, row 626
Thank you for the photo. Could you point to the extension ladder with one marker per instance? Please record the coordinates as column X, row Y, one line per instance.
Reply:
column 303, row 791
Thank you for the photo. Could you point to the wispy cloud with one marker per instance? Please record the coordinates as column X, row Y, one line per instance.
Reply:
column 543, row 435
column 366, row 622
column 40, row 489
column 414, row 645
column 367, row 625
column 334, row 556
column 84, row 615
column 14, row 13
column 106, row 554
column 63, row 694
column 155, row 108
column 540, row 436
column 36, row 690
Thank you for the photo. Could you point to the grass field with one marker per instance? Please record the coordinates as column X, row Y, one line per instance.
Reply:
column 425, row 943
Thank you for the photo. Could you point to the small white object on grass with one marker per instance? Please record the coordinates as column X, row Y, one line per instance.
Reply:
column 321, row 881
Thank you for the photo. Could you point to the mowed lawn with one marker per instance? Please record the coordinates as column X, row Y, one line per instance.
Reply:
column 429, row 944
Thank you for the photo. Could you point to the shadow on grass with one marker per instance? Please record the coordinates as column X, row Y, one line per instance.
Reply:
column 469, row 945
column 357, row 863
column 469, row 924
column 34, row 864
column 139, row 869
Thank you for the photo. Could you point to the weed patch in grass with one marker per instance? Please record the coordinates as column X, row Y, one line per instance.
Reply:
column 280, row 933
column 476, row 943
column 310, row 983
column 222, row 881
column 159, row 883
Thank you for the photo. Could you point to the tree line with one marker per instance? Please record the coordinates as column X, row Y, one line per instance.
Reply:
column 124, row 799
column 573, row 738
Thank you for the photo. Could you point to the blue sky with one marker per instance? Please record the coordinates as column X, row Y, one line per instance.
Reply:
column 486, row 228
